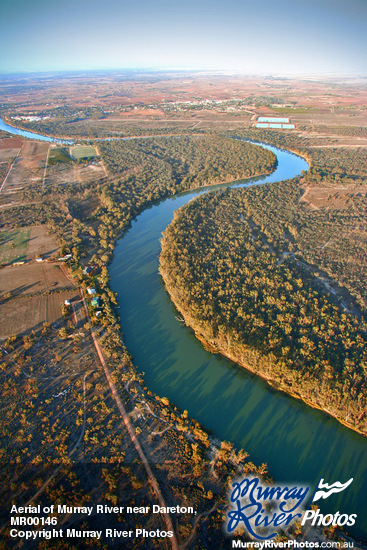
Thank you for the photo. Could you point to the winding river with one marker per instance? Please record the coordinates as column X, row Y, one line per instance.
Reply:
column 298, row 443
column 30, row 135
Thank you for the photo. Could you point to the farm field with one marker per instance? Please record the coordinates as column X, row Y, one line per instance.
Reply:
column 83, row 152
column 33, row 278
column 26, row 171
column 62, row 168
column 24, row 314
column 13, row 245
column 65, row 173
column 29, row 166
column 58, row 155
column 25, row 244
column 60, row 173
column 9, row 148
column 90, row 173
column 32, row 294
column 41, row 243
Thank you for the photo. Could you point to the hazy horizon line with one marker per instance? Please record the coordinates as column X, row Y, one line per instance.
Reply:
column 212, row 71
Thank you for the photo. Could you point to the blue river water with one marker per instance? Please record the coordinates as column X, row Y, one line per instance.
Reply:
column 31, row 135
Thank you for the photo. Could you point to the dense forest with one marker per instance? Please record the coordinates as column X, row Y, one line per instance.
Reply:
column 279, row 286
column 332, row 235
column 183, row 162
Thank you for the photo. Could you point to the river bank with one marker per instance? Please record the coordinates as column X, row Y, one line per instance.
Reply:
column 215, row 346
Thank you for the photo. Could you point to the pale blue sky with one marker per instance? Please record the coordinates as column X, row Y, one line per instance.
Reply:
column 251, row 36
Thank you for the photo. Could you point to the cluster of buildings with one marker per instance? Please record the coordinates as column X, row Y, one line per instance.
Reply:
column 274, row 122
column 96, row 300
column 30, row 118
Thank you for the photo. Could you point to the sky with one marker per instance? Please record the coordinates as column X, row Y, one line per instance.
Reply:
column 249, row 36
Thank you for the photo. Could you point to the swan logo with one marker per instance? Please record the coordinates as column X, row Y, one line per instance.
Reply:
column 324, row 490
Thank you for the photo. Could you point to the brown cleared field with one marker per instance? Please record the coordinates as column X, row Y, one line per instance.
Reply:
column 9, row 148
column 65, row 174
column 10, row 143
column 29, row 166
column 332, row 198
column 90, row 173
column 25, row 314
column 32, row 294
column 60, row 174
column 26, row 171
column 41, row 243
column 33, row 278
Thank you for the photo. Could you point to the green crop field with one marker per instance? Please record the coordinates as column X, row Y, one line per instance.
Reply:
column 13, row 245
column 58, row 154
column 82, row 152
